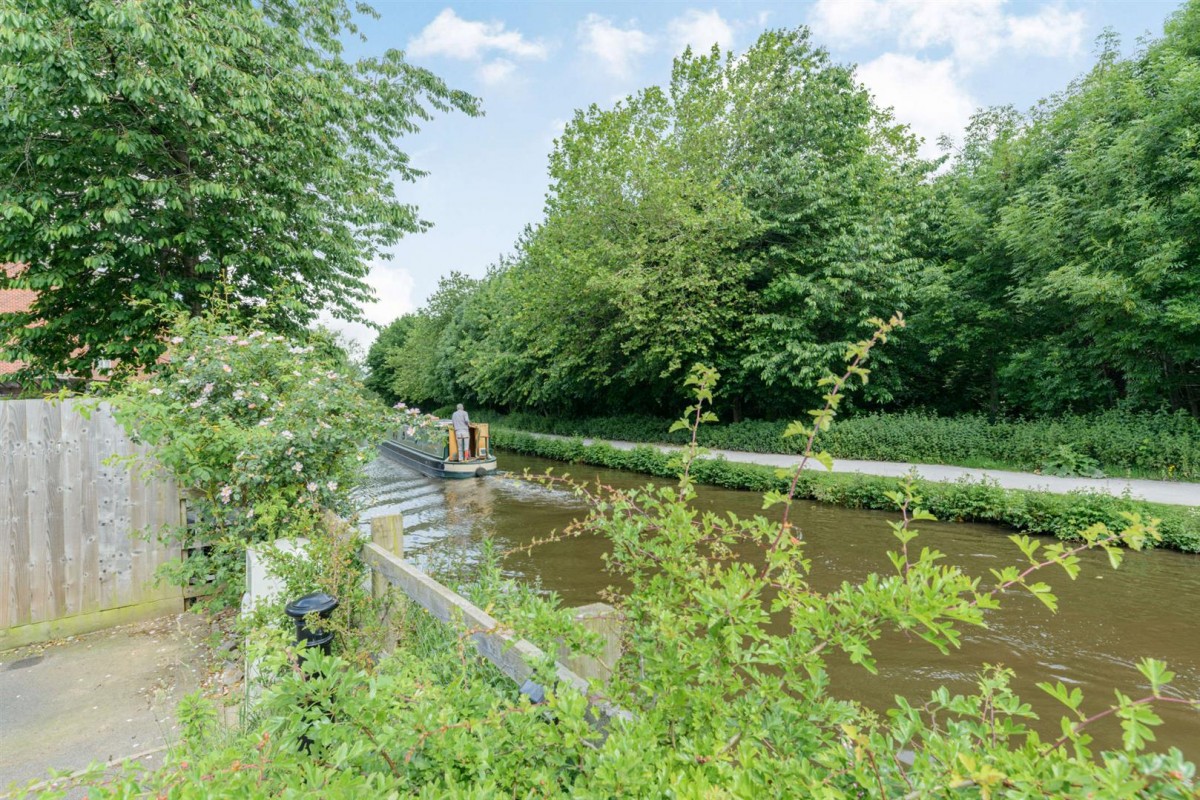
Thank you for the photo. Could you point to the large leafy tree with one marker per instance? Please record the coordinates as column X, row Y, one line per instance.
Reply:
column 749, row 214
column 1068, row 270
column 156, row 154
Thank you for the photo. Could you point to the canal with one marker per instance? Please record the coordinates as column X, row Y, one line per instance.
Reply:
column 1107, row 619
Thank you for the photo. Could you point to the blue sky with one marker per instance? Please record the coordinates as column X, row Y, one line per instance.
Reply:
column 534, row 63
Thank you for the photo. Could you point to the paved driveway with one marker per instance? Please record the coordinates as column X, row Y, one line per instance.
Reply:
column 103, row 697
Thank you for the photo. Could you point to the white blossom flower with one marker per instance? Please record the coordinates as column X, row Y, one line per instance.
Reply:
column 208, row 388
column 297, row 467
column 287, row 435
column 226, row 494
column 156, row 391
column 332, row 486
column 176, row 340
column 311, row 486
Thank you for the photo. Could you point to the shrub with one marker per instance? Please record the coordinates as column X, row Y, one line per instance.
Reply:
column 266, row 432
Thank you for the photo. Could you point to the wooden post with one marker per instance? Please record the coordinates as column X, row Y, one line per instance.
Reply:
column 604, row 620
column 388, row 533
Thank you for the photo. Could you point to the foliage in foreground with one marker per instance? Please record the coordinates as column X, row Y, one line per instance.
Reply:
column 724, row 673
column 267, row 432
column 151, row 152
column 1161, row 445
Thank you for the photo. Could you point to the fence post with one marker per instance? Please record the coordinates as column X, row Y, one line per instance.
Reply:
column 388, row 533
column 602, row 619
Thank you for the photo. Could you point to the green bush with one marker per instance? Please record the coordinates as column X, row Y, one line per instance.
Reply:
column 1159, row 445
column 1059, row 515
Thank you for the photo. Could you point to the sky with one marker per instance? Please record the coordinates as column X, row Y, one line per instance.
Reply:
column 534, row 63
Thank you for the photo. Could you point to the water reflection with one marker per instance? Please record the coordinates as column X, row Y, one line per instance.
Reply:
column 1107, row 619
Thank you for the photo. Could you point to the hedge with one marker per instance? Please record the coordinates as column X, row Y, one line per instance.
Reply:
column 1059, row 515
column 1158, row 445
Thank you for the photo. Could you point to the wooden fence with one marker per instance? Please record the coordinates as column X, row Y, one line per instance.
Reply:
column 514, row 656
column 70, row 559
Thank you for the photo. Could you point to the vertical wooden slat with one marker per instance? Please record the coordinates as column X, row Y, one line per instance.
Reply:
column 35, row 516
column 107, row 509
column 122, row 531
column 8, row 517
column 55, row 550
column 70, row 479
column 89, row 562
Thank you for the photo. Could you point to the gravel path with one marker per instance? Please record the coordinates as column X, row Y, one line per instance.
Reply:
column 1174, row 493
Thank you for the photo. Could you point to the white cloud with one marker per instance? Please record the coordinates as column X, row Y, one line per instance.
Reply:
column 926, row 95
column 616, row 48
column 975, row 31
column 497, row 72
column 452, row 36
column 1051, row 30
column 701, row 30
column 394, row 296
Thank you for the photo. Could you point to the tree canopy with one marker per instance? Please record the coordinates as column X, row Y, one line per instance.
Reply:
column 752, row 213
column 155, row 154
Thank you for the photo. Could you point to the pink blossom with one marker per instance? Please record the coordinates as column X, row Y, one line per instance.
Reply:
column 226, row 493
column 227, row 368
column 207, row 390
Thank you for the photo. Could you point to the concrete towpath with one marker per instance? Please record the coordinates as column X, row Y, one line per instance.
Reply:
column 106, row 697
column 1170, row 492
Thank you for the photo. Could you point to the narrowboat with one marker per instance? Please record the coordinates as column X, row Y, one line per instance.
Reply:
column 434, row 452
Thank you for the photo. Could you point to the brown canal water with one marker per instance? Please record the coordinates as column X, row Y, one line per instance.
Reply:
column 1107, row 619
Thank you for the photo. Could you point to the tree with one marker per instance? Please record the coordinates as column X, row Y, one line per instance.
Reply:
column 1069, row 271
column 749, row 214
column 154, row 154
column 379, row 374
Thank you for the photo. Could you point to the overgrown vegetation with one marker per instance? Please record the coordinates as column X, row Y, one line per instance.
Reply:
column 752, row 210
column 724, row 673
column 267, row 434
column 1162, row 445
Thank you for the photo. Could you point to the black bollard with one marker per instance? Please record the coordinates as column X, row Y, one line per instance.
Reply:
column 320, row 604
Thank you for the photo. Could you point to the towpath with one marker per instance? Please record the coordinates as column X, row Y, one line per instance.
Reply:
column 1171, row 492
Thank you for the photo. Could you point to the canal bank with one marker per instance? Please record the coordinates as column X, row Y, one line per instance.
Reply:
column 1161, row 492
column 1036, row 511
column 1108, row 619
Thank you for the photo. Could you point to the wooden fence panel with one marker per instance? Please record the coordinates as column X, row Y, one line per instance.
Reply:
column 73, row 548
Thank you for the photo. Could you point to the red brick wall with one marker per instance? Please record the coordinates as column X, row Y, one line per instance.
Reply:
column 12, row 300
